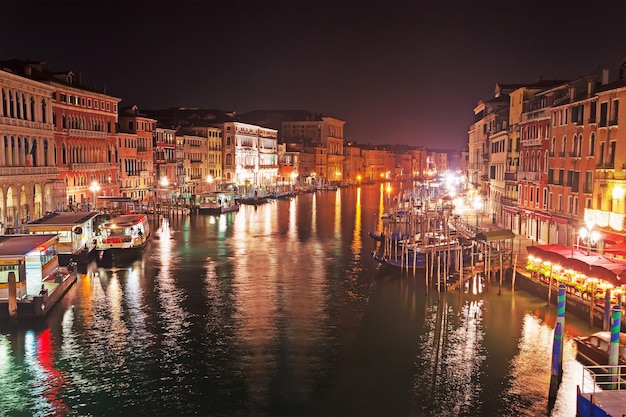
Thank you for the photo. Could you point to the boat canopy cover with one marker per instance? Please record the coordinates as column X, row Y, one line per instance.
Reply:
column 494, row 235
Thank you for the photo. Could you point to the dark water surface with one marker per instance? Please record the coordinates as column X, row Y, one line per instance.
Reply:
column 280, row 310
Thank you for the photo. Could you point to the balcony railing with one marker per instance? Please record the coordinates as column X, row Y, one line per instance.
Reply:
column 510, row 176
column 91, row 134
column 528, row 175
column 531, row 142
column 509, row 201
column 14, row 171
column 89, row 166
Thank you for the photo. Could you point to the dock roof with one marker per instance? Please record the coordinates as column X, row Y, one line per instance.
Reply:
column 65, row 218
column 16, row 246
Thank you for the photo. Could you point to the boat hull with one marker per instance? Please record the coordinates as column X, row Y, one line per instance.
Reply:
column 594, row 349
column 216, row 211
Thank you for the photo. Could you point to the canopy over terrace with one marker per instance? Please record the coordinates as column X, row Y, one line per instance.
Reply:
column 607, row 269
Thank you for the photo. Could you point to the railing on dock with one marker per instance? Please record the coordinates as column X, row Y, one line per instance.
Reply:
column 603, row 378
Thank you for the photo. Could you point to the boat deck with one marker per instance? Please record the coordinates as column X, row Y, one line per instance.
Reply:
column 613, row 403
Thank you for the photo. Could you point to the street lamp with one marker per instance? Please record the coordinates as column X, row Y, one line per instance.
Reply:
column 589, row 236
column 478, row 204
column 94, row 188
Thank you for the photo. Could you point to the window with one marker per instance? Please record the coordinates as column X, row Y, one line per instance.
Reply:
column 546, row 160
column 569, row 204
column 89, row 102
column 603, row 113
column 550, row 201
column 614, row 112
column 537, row 197
column 592, row 112
column 559, row 205
column 545, row 198
column 575, row 208
column 592, row 144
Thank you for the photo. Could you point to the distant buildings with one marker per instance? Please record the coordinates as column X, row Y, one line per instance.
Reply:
column 65, row 146
column 549, row 158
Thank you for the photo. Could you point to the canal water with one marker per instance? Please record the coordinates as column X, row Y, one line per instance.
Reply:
column 279, row 310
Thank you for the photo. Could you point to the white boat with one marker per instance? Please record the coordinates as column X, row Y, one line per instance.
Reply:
column 217, row 202
column 122, row 235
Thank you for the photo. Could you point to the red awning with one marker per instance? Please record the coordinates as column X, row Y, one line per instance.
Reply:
column 617, row 249
column 612, row 237
column 608, row 269
column 509, row 210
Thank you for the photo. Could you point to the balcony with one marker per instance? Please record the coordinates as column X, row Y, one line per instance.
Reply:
column 508, row 201
column 531, row 142
column 528, row 176
column 89, row 166
column 574, row 155
column 562, row 154
column 30, row 171
column 9, row 121
column 534, row 115
column 510, row 176
column 89, row 134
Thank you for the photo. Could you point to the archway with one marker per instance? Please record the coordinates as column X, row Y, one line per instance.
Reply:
column 12, row 204
column 37, row 202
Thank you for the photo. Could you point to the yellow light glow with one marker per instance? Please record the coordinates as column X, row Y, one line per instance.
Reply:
column 618, row 192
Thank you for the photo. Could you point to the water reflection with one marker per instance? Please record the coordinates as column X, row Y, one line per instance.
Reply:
column 275, row 310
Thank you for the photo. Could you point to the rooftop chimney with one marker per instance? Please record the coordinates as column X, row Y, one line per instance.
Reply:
column 605, row 76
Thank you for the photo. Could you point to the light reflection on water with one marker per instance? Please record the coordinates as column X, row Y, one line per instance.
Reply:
column 280, row 310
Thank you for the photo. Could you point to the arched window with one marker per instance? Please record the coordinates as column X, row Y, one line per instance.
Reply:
column 538, row 161
column 24, row 107
column 46, row 156
column 6, row 152
column 564, row 148
column 43, row 111
column 532, row 161
column 11, row 104
column 32, row 109
column 4, row 103
column 546, row 160
column 592, row 144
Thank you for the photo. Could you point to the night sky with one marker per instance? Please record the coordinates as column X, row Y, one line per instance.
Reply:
column 396, row 72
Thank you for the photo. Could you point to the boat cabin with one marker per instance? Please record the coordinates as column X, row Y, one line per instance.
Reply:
column 76, row 231
column 31, row 258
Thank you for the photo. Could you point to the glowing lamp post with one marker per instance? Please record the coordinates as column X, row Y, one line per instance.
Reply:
column 589, row 236
column 94, row 188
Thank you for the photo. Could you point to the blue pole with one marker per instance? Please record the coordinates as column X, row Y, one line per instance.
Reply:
column 614, row 346
column 607, row 309
column 556, row 373
column 556, row 354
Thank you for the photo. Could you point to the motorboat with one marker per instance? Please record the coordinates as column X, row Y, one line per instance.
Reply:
column 594, row 348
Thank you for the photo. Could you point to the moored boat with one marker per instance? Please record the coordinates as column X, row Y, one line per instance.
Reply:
column 217, row 202
column 121, row 236
column 594, row 348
